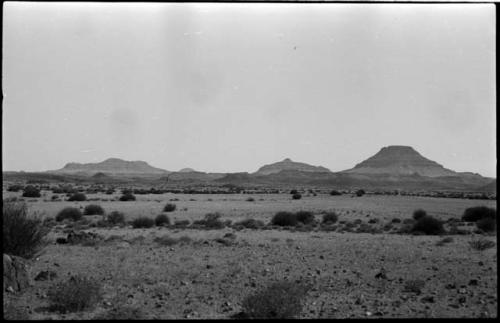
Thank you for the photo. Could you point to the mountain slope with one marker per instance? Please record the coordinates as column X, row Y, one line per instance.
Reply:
column 288, row 164
column 111, row 166
column 400, row 160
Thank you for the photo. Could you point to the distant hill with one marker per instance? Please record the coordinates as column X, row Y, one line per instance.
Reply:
column 288, row 164
column 111, row 166
column 400, row 160
column 187, row 170
column 491, row 187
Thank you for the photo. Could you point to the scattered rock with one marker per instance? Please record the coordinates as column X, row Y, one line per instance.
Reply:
column 427, row 299
column 381, row 274
column 473, row 282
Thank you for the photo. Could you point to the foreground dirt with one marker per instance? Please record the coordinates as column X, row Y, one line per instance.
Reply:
column 207, row 279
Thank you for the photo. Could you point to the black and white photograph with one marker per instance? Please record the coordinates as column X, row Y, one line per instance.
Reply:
column 261, row 160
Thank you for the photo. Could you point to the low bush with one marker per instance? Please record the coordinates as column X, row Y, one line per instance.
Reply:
column 14, row 188
column 444, row 241
column 23, row 235
column 282, row 300
column 481, row 244
column 76, row 294
column 127, row 196
column 414, row 286
column 487, row 225
column 428, row 225
column 330, row 217
column 181, row 223
column 93, row 209
column 166, row 241
column 161, row 220
column 396, row 220
column 360, row 192
column 69, row 213
column 250, row 224
column 305, row 217
column 296, row 196
column 115, row 217
column 335, row 193
column 211, row 221
column 284, row 218
column 169, row 207
column 417, row 214
column 77, row 197
column 473, row 214
column 143, row 222
column 293, row 192
column 250, row 199
column 31, row 191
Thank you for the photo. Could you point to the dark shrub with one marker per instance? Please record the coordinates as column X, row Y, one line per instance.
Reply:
column 417, row 214
column 360, row 192
column 55, row 197
column 284, row 218
column 110, row 191
column 330, row 217
column 93, row 209
column 31, row 191
column 396, row 220
column 77, row 197
column 115, row 217
column 334, row 193
column 305, row 217
column 169, row 207
column 250, row 223
column 23, row 236
column 487, row 225
column 15, row 188
column 481, row 244
column 143, row 222
column 71, row 213
column 442, row 242
column 428, row 225
column 293, row 192
column 474, row 214
column 250, row 199
column 127, row 196
column 76, row 294
column 297, row 196
column 283, row 300
column 162, row 219
column 372, row 221
column 211, row 221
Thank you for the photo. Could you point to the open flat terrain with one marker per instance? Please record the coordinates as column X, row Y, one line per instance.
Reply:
column 208, row 273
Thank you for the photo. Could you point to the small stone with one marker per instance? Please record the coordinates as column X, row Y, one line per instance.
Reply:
column 462, row 291
column 462, row 300
column 10, row 289
column 368, row 313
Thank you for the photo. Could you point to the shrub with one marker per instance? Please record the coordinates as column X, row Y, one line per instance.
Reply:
column 143, row 222
column 250, row 199
column 211, row 220
column 181, row 223
column 417, row 214
column 473, row 214
column 23, row 236
column 250, row 223
column 282, row 300
column 334, row 193
column 428, row 225
column 330, row 217
column 31, row 191
column 169, row 207
column 76, row 294
column 487, row 225
column 305, row 217
column 293, row 192
column 15, row 188
column 93, row 209
column 360, row 192
column 442, row 242
column 166, row 241
column 77, row 197
column 396, row 220
column 127, row 196
column 414, row 286
column 481, row 244
column 284, row 218
column 162, row 219
column 115, row 217
column 71, row 213
column 296, row 196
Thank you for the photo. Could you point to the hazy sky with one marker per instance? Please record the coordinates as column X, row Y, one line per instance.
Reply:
column 230, row 87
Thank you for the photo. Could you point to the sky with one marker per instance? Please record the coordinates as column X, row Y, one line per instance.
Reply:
column 230, row 87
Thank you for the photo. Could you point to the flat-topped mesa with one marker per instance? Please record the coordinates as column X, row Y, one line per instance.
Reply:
column 112, row 166
column 400, row 160
column 288, row 164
